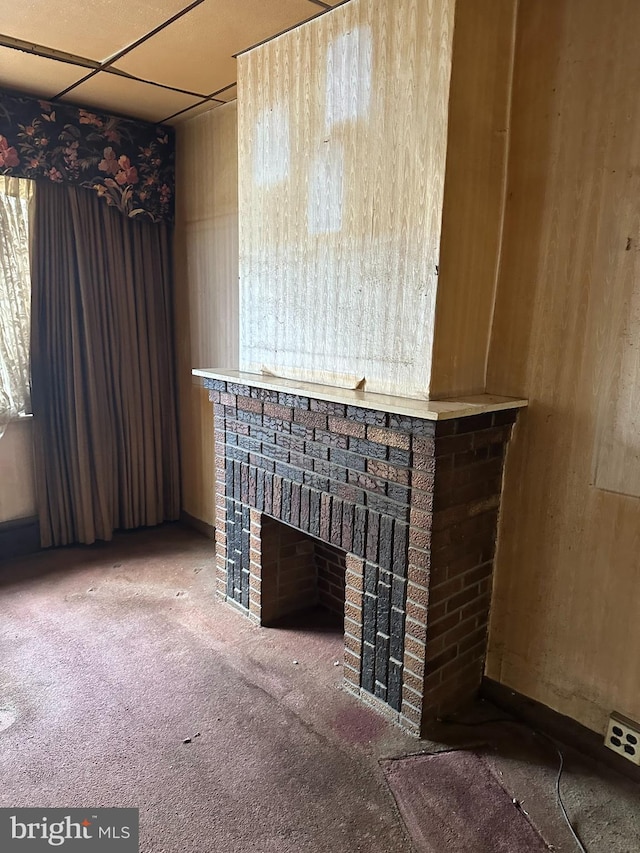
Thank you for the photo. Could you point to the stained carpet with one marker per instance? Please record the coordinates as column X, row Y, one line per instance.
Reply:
column 451, row 801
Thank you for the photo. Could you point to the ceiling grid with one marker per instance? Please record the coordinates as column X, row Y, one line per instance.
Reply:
column 161, row 60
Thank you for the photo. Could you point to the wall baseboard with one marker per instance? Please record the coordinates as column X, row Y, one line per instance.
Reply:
column 19, row 537
column 203, row 527
column 557, row 726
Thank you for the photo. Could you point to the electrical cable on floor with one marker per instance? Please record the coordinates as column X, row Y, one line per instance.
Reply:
column 450, row 721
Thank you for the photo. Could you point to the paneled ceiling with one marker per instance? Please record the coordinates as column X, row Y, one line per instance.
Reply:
column 159, row 60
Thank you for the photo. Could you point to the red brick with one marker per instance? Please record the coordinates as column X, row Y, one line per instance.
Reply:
column 417, row 630
column 354, row 579
column 424, row 445
column 435, row 646
column 477, row 637
column 353, row 612
column 353, row 644
column 481, row 573
column 420, row 537
column 345, row 427
column 465, row 666
column 454, row 444
column 416, row 611
column 351, row 660
column 443, row 518
column 422, row 480
column 354, row 596
column 418, row 575
column 353, row 625
column 420, row 519
column 464, row 597
column 441, row 626
column 389, row 437
column 354, row 564
column 310, row 419
column 426, row 464
column 417, row 594
column 412, row 696
column 432, row 682
column 437, row 610
column 445, row 657
column 422, row 500
column 412, row 681
column 414, row 647
column 412, row 714
column 495, row 435
column 351, row 676
column 444, row 591
column 281, row 413
column 463, row 629
column 388, row 472
column 419, row 559
column 248, row 404
column 412, row 664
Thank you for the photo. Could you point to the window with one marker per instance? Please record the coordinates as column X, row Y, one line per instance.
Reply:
column 15, row 299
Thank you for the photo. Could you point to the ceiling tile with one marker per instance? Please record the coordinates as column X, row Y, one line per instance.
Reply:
column 196, row 51
column 34, row 75
column 112, row 93
column 205, row 107
column 228, row 95
column 94, row 30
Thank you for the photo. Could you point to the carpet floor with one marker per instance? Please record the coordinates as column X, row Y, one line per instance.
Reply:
column 124, row 683
column 451, row 801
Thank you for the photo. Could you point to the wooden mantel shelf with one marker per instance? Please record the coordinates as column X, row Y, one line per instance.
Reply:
column 431, row 410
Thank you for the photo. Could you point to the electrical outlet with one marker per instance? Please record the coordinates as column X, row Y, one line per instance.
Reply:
column 623, row 737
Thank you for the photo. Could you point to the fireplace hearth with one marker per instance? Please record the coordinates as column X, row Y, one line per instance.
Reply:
column 390, row 513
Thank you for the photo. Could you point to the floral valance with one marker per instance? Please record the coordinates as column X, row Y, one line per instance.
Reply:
column 130, row 164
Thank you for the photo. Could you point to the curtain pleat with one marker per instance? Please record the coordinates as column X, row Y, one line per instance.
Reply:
column 103, row 388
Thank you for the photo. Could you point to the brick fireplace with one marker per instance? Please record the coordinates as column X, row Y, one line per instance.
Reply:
column 325, row 498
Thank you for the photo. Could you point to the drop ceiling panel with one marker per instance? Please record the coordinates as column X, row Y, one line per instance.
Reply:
column 115, row 94
column 35, row 75
column 195, row 111
column 196, row 51
column 92, row 30
column 228, row 95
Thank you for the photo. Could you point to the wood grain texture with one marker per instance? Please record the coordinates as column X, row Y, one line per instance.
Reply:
column 566, row 623
column 342, row 147
column 474, row 194
column 206, row 259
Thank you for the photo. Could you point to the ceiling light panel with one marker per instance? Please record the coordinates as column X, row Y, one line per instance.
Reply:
column 93, row 30
column 196, row 51
column 111, row 93
column 34, row 75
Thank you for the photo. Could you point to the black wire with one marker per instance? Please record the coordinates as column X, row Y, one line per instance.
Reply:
column 450, row 721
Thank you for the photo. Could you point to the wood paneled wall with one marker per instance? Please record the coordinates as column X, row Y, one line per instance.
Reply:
column 566, row 618
column 474, row 193
column 342, row 148
column 206, row 259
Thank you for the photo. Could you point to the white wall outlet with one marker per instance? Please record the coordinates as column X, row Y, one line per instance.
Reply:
column 623, row 737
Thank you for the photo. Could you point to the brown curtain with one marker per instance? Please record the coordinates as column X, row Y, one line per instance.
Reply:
column 103, row 390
